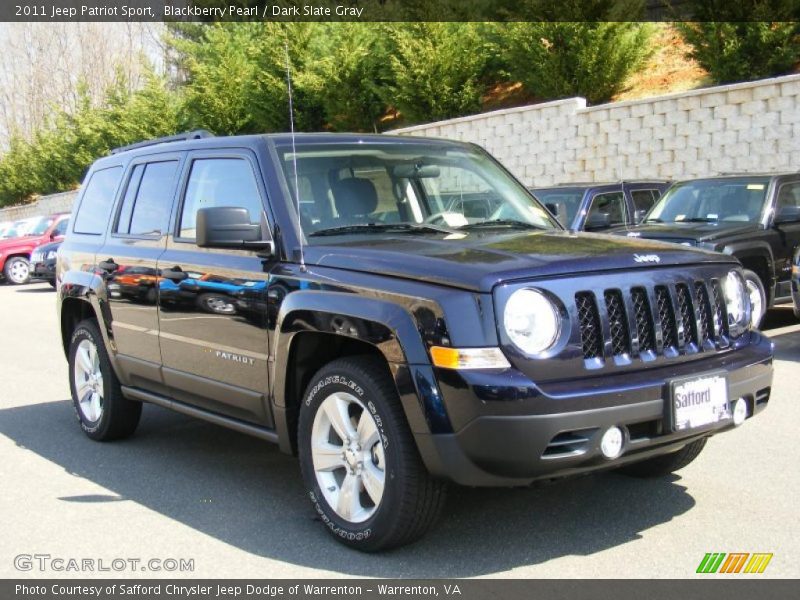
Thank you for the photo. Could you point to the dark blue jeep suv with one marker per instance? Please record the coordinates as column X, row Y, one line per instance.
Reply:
column 388, row 328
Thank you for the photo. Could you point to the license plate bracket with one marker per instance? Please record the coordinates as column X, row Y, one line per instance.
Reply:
column 697, row 402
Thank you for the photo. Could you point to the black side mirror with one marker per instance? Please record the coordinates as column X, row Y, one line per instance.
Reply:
column 787, row 214
column 598, row 221
column 639, row 215
column 229, row 227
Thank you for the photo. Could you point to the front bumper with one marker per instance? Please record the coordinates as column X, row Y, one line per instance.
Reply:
column 514, row 432
column 44, row 270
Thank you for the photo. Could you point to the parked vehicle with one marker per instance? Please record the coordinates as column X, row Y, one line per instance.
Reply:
column 6, row 228
column 755, row 218
column 599, row 206
column 404, row 342
column 15, row 253
column 43, row 262
column 796, row 283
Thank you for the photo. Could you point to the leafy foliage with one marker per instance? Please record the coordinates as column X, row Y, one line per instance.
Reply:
column 593, row 60
column 740, row 51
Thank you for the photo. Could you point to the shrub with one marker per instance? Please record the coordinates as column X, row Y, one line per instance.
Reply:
column 743, row 51
column 437, row 70
column 589, row 59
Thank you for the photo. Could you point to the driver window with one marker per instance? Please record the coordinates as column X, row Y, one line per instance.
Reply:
column 219, row 182
column 611, row 204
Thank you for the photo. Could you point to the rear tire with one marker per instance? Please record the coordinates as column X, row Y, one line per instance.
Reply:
column 664, row 465
column 102, row 411
column 758, row 297
column 368, row 484
column 17, row 270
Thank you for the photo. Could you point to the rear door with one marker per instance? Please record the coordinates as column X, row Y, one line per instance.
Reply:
column 129, row 261
column 214, row 340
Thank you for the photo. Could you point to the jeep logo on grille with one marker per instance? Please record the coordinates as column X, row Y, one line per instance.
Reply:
column 646, row 258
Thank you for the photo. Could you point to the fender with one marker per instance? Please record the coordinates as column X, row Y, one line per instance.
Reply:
column 87, row 287
column 754, row 249
column 382, row 324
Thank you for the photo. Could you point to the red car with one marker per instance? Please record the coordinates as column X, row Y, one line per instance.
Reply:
column 15, row 253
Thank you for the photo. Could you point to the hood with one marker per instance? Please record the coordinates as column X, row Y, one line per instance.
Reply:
column 690, row 232
column 26, row 241
column 479, row 261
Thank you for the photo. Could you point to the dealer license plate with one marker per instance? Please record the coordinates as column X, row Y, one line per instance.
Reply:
column 700, row 402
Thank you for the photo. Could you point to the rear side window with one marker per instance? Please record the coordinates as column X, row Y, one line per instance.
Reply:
column 98, row 199
column 148, row 199
column 219, row 182
column 643, row 200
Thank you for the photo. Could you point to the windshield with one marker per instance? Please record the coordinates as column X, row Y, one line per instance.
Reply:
column 413, row 188
column 562, row 202
column 738, row 199
column 39, row 226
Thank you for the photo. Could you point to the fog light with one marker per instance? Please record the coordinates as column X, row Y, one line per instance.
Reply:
column 611, row 442
column 739, row 411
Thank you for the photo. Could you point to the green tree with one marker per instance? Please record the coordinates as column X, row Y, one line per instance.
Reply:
column 742, row 51
column 437, row 69
column 562, row 59
column 351, row 74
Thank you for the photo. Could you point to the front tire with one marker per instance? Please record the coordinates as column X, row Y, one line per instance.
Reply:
column 359, row 461
column 17, row 270
column 102, row 411
column 660, row 466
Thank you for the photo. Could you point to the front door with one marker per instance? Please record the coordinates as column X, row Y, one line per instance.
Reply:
column 213, row 329
column 786, row 237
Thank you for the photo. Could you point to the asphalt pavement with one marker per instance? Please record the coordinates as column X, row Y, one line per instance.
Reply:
column 233, row 506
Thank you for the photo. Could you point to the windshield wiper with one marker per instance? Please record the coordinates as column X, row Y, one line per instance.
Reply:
column 381, row 228
column 654, row 220
column 511, row 223
column 697, row 220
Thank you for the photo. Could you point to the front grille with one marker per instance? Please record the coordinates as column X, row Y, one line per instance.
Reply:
column 589, row 318
column 671, row 319
column 618, row 323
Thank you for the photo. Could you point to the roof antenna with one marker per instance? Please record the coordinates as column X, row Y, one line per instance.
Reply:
column 294, row 155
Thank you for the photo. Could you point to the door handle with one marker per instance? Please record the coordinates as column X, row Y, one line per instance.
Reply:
column 175, row 274
column 108, row 265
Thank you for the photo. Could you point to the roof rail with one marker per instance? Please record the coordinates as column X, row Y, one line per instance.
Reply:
column 180, row 137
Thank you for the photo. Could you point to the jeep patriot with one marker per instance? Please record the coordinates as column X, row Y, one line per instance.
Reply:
column 347, row 298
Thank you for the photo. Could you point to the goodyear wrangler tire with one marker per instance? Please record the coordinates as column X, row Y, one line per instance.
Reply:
column 103, row 412
column 659, row 466
column 360, row 465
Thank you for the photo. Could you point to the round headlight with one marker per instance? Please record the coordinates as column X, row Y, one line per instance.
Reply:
column 736, row 299
column 532, row 321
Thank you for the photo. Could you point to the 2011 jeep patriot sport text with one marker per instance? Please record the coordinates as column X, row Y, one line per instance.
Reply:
column 357, row 300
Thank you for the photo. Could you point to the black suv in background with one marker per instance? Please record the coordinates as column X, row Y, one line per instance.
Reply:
column 43, row 262
column 599, row 206
column 372, row 319
column 755, row 218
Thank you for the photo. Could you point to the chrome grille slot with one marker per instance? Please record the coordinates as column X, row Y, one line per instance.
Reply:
column 666, row 316
column 591, row 331
column 720, row 314
column 704, row 308
column 686, row 310
column 645, row 329
column 618, row 323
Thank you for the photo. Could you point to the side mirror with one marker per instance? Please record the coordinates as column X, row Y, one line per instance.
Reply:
column 787, row 214
column 598, row 221
column 639, row 216
column 229, row 227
